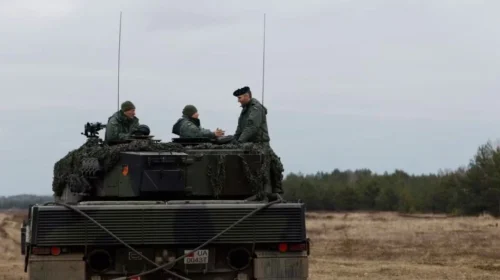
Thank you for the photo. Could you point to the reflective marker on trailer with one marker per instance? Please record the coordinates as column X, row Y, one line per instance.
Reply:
column 298, row 247
column 40, row 251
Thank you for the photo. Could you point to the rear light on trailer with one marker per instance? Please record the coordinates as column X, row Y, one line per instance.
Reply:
column 283, row 247
column 298, row 247
column 293, row 247
column 55, row 251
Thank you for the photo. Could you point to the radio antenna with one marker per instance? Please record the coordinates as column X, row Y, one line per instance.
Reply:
column 263, row 58
column 119, row 49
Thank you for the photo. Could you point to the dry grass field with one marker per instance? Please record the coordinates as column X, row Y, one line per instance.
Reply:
column 362, row 246
column 391, row 246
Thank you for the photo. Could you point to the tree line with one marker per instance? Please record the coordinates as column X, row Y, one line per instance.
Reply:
column 468, row 190
column 22, row 201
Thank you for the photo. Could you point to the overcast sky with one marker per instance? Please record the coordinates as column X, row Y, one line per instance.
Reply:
column 382, row 85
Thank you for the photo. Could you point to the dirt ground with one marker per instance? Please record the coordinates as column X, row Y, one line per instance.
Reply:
column 371, row 246
column 11, row 260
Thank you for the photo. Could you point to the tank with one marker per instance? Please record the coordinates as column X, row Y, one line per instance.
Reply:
column 186, row 209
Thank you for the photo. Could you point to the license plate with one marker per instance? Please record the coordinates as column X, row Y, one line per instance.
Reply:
column 200, row 256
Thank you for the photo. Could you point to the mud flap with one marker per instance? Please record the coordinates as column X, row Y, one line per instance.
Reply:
column 62, row 267
column 276, row 265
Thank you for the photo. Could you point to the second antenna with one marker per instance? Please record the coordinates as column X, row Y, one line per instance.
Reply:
column 119, row 47
column 263, row 58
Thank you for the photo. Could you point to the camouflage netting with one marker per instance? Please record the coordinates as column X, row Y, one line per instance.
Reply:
column 217, row 180
column 70, row 170
column 257, row 179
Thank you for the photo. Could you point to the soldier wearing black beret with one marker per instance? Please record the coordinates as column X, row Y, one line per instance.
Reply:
column 252, row 127
column 252, row 123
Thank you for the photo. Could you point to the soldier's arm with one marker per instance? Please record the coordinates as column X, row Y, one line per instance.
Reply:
column 254, row 122
column 190, row 130
column 207, row 133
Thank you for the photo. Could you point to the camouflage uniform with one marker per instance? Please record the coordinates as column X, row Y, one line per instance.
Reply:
column 190, row 128
column 120, row 127
column 252, row 127
column 252, row 124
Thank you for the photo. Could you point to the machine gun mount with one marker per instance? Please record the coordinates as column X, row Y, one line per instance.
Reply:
column 91, row 130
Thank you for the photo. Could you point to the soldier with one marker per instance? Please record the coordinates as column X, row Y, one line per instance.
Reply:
column 252, row 127
column 122, row 124
column 188, row 126
column 252, row 123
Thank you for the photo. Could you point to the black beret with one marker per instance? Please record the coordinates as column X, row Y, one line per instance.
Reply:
column 241, row 91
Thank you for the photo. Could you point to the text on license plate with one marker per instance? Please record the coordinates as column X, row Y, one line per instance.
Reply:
column 200, row 256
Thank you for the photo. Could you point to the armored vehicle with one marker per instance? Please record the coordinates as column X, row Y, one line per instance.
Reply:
column 186, row 209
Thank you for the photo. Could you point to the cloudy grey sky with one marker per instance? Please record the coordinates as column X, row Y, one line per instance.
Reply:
column 349, row 84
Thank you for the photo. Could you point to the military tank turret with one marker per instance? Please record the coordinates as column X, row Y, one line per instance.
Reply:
column 190, row 208
column 143, row 168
